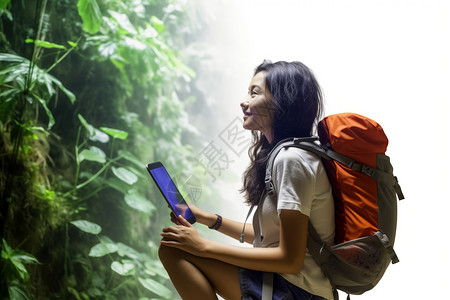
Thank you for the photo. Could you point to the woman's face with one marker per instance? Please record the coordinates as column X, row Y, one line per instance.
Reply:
column 257, row 106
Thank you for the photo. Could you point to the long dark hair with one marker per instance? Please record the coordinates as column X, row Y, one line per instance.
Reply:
column 297, row 105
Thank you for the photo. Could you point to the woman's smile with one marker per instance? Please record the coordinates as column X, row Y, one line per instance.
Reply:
column 246, row 115
column 257, row 106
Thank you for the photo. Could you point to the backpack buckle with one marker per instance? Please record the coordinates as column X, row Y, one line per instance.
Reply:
column 367, row 170
column 269, row 186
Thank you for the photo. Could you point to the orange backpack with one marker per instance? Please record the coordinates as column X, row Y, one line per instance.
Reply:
column 352, row 148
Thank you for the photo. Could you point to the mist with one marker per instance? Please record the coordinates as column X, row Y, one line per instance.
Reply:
column 387, row 60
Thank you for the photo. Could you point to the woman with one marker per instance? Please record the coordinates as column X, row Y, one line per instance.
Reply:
column 284, row 100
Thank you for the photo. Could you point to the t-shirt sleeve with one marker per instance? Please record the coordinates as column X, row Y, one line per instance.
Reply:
column 294, row 181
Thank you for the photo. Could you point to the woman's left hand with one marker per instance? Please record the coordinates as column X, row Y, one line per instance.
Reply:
column 184, row 237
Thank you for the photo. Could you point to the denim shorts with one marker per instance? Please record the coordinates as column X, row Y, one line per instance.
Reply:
column 251, row 287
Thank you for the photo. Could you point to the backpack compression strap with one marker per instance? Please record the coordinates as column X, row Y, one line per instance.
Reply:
column 375, row 173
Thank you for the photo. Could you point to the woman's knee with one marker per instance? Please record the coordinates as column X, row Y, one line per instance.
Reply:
column 222, row 277
column 172, row 256
column 165, row 253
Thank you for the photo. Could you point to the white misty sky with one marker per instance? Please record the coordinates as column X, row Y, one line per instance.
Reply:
column 386, row 59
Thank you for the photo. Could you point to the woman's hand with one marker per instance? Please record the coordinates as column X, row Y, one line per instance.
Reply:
column 185, row 237
column 201, row 216
column 197, row 212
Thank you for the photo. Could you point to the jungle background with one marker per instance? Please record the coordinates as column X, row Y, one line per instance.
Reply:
column 90, row 91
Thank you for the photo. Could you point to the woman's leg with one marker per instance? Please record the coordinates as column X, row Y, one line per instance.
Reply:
column 200, row 278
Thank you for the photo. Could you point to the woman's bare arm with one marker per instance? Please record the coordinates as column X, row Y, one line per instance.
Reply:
column 229, row 227
column 288, row 257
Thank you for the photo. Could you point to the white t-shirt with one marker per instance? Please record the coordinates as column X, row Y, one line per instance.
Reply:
column 301, row 184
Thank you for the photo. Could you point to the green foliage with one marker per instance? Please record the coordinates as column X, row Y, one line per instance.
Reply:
column 73, row 169
column 127, row 263
column 14, row 272
column 16, row 84
column 87, row 226
column 115, row 133
column 90, row 14
column 45, row 44
column 4, row 4
column 3, row 8
column 16, row 261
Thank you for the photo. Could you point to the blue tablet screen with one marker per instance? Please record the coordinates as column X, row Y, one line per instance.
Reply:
column 171, row 192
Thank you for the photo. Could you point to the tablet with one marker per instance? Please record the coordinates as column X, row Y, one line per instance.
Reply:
column 170, row 192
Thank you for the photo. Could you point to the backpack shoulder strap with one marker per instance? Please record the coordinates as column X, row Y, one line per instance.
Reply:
column 306, row 143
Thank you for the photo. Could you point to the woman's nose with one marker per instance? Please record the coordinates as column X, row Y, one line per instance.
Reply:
column 245, row 103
